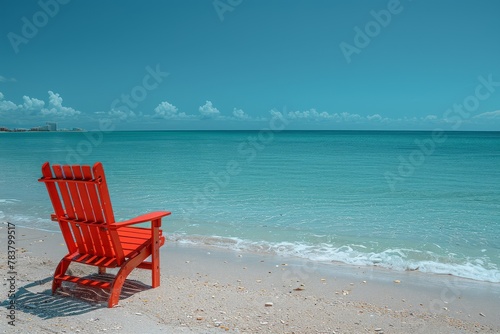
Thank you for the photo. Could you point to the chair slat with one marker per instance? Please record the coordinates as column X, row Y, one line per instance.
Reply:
column 89, row 240
column 106, row 242
column 63, row 189
column 58, row 208
column 94, row 197
column 87, row 215
column 104, row 194
column 96, row 239
column 80, row 242
column 108, row 212
column 93, row 239
column 84, row 195
column 73, row 191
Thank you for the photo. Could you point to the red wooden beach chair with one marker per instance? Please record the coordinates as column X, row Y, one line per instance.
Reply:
column 79, row 195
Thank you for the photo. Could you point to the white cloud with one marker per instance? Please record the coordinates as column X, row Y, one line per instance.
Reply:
column 167, row 110
column 240, row 114
column 4, row 79
column 6, row 105
column 120, row 114
column 56, row 107
column 208, row 110
column 430, row 118
column 313, row 115
column 276, row 114
column 407, row 119
column 32, row 103
column 489, row 115
column 374, row 117
column 345, row 116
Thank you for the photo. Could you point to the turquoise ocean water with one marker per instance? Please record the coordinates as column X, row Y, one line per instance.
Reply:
column 401, row 200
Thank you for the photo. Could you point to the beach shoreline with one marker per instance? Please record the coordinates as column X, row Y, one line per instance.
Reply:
column 205, row 289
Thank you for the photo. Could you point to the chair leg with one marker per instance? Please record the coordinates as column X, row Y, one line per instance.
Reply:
column 121, row 276
column 116, row 289
column 60, row 270
column 155, row 260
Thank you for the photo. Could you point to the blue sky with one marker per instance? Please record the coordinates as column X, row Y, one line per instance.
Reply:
column 233, row 64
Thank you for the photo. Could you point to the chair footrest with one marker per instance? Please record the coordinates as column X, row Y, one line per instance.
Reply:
column 84, row 281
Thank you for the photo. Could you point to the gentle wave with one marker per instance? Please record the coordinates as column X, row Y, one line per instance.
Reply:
column 480, row 269
column 395, row 259
column 32, row 222
column 8, row 201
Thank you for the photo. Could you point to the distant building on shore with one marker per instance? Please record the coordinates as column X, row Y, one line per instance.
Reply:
column 51, row 126
column 48, row 127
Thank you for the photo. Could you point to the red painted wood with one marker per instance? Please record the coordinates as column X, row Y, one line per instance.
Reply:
column 63, row 188
column 58, row 208
column 80, row 198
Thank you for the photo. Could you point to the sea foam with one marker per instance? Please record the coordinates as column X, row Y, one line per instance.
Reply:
column 394, row 259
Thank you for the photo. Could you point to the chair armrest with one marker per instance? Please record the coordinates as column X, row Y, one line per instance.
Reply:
column 148, row 217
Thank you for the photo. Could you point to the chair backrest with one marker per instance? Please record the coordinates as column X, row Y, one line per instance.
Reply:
column 80, row 197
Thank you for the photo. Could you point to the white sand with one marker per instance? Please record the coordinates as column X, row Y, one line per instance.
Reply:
column 209, row 290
